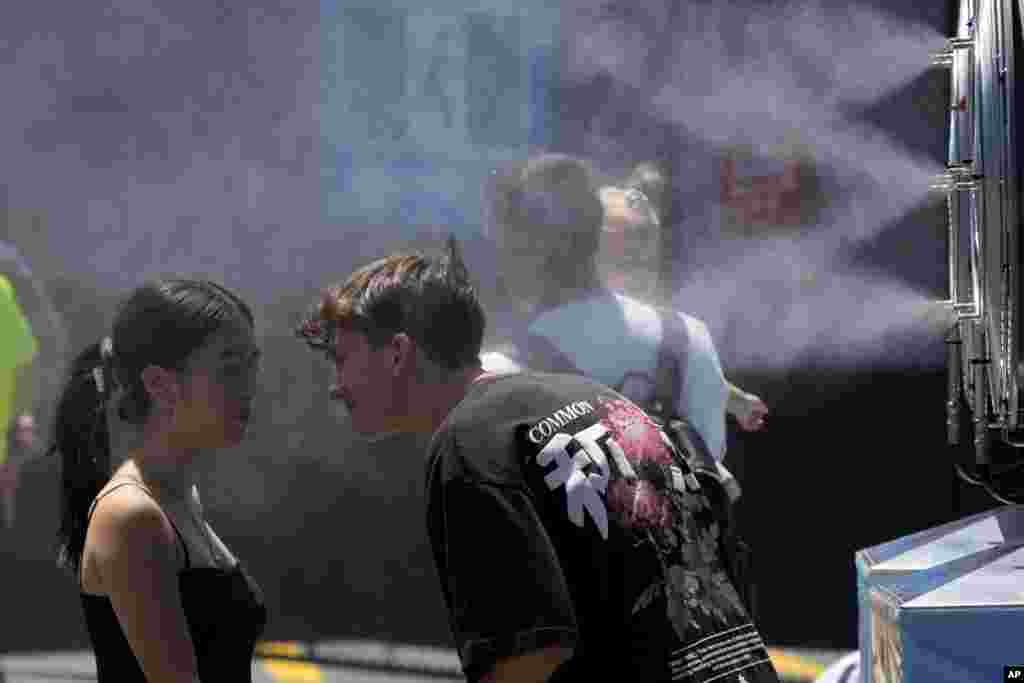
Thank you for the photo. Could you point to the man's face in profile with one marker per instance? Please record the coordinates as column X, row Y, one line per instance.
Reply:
column 363, row 381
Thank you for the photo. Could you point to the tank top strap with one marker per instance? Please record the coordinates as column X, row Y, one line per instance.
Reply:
column 139, row 485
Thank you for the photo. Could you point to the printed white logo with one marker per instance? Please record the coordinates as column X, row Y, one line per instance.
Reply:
column 580, row 466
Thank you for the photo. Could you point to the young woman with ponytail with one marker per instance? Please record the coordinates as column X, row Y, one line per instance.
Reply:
column 164, row 599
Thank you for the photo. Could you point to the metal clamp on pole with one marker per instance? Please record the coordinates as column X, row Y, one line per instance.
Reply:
column 959, row 177
column 945, row 57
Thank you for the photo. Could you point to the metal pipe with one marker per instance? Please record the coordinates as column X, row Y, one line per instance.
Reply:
column 960, row 177
column 954, row 349
column 979, row 366
column 953, row 244
column 978, row 271
column 1010, row 342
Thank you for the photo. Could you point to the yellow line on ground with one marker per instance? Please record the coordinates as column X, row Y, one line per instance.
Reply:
column 794, row 666
column 788, row 664
column 293, row 672
column 269, row 648
column 286, row 671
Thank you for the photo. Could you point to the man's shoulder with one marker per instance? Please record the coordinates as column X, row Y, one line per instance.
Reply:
column 693, row 323
column 497, row 406
column 481, row 439
column 519, row 393
column 668, row 321
column 615, row 315
column 640, row 309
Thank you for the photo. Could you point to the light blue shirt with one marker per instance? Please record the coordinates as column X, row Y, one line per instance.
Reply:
column 606, row 336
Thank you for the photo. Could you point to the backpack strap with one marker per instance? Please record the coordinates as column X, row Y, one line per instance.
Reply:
column 669, row 377
column 537, row 352
column 736, row 554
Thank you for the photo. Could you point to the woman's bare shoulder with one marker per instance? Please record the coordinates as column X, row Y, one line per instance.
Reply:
column 128, row 520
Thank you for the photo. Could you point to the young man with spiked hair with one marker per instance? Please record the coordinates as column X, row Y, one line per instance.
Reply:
column 570, row 536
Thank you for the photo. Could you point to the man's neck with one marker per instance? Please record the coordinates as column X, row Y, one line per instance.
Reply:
column 447, row 396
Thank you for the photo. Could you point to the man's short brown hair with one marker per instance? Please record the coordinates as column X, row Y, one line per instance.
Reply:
column 551, row 195
column 430, row 298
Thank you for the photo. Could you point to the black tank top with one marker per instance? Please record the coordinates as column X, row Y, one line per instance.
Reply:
column 225, row 613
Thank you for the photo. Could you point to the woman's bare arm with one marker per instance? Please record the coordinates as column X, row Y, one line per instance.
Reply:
column 749, row 410
column 532, row 667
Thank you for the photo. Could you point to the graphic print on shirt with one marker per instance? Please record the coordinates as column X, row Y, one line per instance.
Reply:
column 610, row 462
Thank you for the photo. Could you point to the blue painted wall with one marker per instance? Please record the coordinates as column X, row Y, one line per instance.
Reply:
column 420, row 100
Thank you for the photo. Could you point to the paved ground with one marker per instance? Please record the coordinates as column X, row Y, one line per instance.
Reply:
column 344, row 662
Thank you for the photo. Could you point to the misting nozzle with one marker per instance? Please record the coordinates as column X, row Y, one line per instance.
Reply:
column 945, row 57
column 958, row 177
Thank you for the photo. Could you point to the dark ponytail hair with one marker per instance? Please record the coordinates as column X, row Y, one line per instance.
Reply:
column 160, row 323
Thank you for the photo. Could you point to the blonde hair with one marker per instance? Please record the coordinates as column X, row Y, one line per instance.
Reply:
column 626, row 208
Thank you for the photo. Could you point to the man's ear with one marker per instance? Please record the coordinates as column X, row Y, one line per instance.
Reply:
column 161, row 384
column 403, row 350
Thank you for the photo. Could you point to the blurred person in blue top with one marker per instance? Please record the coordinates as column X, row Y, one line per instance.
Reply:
column 578, row 269
column 629, row 261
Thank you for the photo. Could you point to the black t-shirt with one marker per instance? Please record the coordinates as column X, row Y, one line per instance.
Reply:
column 559, row 513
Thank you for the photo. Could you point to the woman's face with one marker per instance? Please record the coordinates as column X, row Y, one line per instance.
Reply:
column 219, row 386
column 629, row 255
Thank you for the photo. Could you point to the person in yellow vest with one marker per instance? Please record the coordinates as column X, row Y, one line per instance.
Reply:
column 18, row 349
